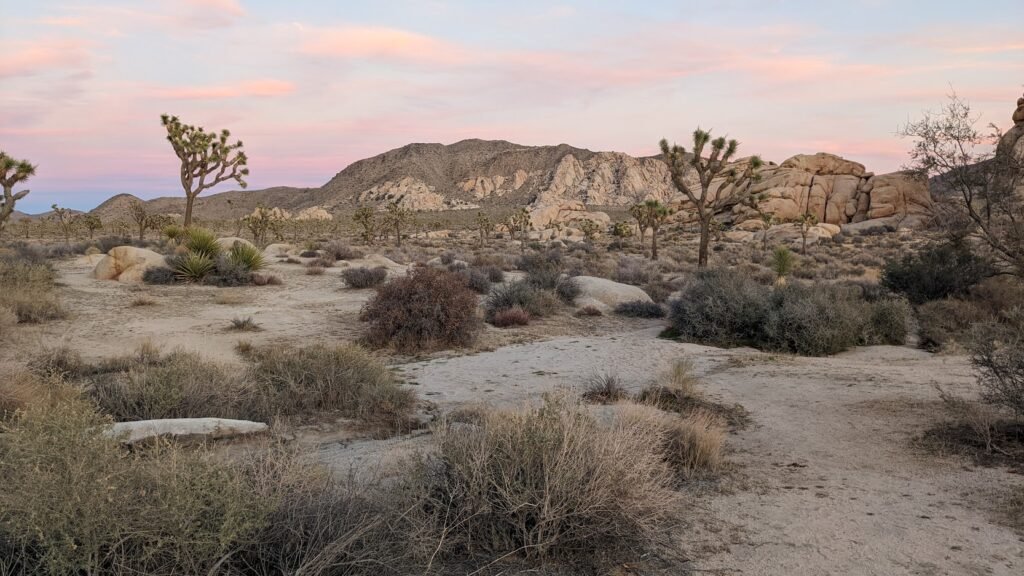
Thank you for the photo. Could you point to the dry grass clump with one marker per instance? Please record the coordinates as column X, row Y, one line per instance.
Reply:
column 425, row 310
column 8, row 320
column 589, row 310
column 231, row 297
column 509, row 317
column 28, row 290
column 363, row 277
column 603, row 389
column 677, row 391
column 17, row 391
column 142, row 300
column 314, row 270
column 691, row 443
column 547, row 483
column 246, row 324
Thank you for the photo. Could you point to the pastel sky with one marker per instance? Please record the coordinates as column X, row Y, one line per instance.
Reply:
column 311, row 86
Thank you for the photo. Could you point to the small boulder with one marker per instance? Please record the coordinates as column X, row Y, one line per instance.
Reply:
column 184, row 429
column 275, row 250
column 126, row 264
column 604, row 293
column 227, row 243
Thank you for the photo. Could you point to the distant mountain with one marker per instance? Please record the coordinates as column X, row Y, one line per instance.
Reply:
column 463, row 175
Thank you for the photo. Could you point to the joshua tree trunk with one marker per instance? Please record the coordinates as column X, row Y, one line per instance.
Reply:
column 189, row 200
column 705, row 238
column 654, row 243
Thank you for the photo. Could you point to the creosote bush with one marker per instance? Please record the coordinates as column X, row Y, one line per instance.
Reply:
column 426, row 309
column 508, row 317
column 362, row 277
column 640, row 309
column 935, row 272
column 536, row 301
column 726, row 308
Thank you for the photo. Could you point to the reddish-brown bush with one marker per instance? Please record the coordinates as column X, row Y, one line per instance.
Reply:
column 427, row 309
column 508, row 317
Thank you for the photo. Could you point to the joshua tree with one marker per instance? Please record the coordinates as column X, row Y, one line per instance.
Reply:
column 484, row 226
column 64, row 219
column 157, row 222
column 90, row 222
column 26, row 226
column 589, row 229
column 734, row 186
column 949, row 146
column 638, row 214
column 650, row 214
column 519, row 221
column 397, row 218
column 140, row 216
column 12, row 173
column 207, row 159
column 806, row 222
column 366, row 217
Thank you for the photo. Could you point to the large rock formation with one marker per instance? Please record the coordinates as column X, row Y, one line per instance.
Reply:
column 1011, row 145
column 413, row 194
column 126, row 264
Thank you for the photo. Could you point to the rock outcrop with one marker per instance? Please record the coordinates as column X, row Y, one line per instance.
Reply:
column 413, row 194
column 313, row 213
column 126, row 264
column 227, row 243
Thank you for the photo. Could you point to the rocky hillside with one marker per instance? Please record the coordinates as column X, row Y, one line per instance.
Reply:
column 474, row 173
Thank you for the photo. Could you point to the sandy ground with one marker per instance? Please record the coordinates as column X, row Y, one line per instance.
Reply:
column 828, row 477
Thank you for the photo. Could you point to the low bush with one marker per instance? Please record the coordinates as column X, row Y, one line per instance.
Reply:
column 160, row 275
column 314, row 271
column 246, row 256
column 537, row 302
column 935, row 272
column 635, row 271
column 721, row 307
column 943, row 322
column 640, row 309
column 659, row 290
column 202, row 242
column 476, row 279
column 508, row 317
column 548, row 483
column 228, row 273
column 603, row 389
column 246, row 324
column 341, row 251
column 426, row 309
column 27, row 289
column 690, row 444
column 568, row 289
column 193, row 266
column 997, row 353
column 494, row 273
column 589, row 310
column 362, row 277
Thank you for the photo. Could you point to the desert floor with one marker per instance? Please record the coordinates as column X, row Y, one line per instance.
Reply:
column 828, row 478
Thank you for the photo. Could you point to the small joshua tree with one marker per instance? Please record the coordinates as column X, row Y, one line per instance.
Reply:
column 783, row 263
column 90, row 222
column 398, row 218
column 207, row 159
column 651, row 214
column 484, row 226
column 519, row 222
column 734, row 186
column 806, row 222
column 12, row 173
column 140, row 216
column 639, row 214
column 366, row 218
column 589, row 229
column 65, row 221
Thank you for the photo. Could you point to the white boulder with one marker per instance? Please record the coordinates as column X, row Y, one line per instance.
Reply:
column 126, row 264
column 604, row 293
column 184, row 428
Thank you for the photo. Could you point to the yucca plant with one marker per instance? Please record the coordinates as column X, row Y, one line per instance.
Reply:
column 246, row 256
column 174, row 233
column 203, row 242
column 193, row 266
column 783, row 263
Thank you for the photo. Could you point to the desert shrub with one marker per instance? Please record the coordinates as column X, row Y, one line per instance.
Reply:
column 341, row 251
column 17, row 391
column 942, row 322
column 589, row 310
column 266, row 280
column 537, row 302
column 246, row 256
column 635, row 271
column 193, row 266
column 494, row 273
column 546, row 278
column 202, row 242
column 176, row 385
column 783, row 261
column 540, row 261
column 998, row 294
column 508, row 317
column 246, row 324
column 659, row 290
column 547, row 483
column 812, row 321
column 427, row 309
column 106, row 243
column 997, row 353
column 320, row 262
column 721, row 307
column 315, row 270
column 27, row 289
column 142, row 300
column 160, row 275
column 640, row 309
column 309, row 254
column 363, row 277
column 228, row 273
column 568, row 289
column 691, row 444
column 935, row 272
column 889, row 322
column 345, row 378
column 603, row 389
column 477, row 280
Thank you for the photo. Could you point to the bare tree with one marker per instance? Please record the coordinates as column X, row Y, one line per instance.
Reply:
column 949, row 147
column 207, row 159
column 734, row 186
column 12, row 173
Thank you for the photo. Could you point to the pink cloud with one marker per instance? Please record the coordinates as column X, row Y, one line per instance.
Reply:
column 392, row 44
column 252, row 88
column 30, row 58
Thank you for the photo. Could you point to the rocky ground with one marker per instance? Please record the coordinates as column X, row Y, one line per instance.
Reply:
column 828, row 478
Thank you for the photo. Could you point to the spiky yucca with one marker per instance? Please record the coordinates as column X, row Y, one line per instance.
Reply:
column 246, row 256
column 193, row 266
column 202, row 242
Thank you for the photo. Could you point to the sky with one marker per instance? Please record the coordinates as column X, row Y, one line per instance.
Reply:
column 311, row 86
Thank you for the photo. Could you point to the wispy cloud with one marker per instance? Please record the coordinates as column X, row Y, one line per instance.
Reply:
column 252, row 88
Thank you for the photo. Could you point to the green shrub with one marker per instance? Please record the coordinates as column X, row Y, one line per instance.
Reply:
column 942, row 322
column 160, row 275
column 889, row 322
column 812, row 321
column 720, row 307
column 202, row 242
column 537, row 302
column 997, row 353
column 246, row 256
column 193, row 266
column 362, row 277
column 640, row 309
column 341, row 251
column 937, row 271
column 783, row 261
